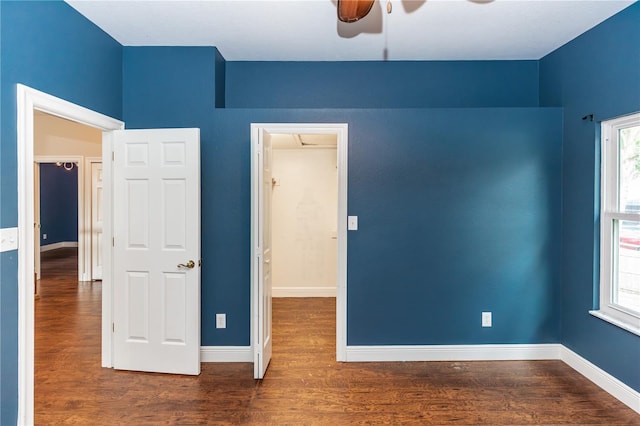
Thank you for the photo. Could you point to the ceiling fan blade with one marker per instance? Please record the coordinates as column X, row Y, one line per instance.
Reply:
column 353, row 10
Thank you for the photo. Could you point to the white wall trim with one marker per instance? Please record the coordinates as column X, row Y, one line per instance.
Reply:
column 28, row 101
column 226, row 354
column 452, row 352
column 303, row 291
column 606, row 381
column 61, row 244
column 90, row 249
column 107, row 250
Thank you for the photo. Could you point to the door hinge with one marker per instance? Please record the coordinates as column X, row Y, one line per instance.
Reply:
column 113, row 241
column 113, row 156
column 113, row 327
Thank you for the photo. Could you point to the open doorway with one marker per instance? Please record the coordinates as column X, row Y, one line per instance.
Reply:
column 65, row 148
column 64, row 254
column 263, row 181
column 29, row 102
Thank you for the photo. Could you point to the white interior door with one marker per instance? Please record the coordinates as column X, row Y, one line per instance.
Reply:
column 156, row 250
column 96, row 221
column 263, row 343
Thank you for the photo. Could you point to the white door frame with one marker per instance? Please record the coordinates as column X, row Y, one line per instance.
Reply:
column 28, row 101
column 341, row 131
column 83, row 267
column 89, row 253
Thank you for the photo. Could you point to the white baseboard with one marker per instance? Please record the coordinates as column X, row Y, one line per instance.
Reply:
column 606, row 381
column 62, row 244
column 452, row 353
column 226, row 354
column 303, row 291
column 407, row 353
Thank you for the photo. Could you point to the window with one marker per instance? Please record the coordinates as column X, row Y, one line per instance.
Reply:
column 620, row 223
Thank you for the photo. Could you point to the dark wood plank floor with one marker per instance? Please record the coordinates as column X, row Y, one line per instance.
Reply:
column 303, row 386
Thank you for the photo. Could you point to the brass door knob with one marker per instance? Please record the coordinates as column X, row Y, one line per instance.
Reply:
column 190, row 264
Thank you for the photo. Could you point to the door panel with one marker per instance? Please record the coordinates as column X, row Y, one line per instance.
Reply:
column 157, row 250
column 174, row 211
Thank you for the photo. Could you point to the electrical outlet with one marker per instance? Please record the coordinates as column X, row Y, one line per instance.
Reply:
column 486, row 319
column 221, row 320
column 44, row 236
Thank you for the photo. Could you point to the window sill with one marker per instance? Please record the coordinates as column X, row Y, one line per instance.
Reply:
column 624, row 325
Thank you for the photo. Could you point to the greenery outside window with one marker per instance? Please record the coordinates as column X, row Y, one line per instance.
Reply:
column 620, row 223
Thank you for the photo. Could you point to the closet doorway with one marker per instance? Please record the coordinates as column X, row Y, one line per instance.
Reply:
column 264, row 186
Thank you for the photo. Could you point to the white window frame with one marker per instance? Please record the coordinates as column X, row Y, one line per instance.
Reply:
column 609, row 214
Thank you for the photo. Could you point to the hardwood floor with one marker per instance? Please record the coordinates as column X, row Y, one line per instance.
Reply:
column 303, row 386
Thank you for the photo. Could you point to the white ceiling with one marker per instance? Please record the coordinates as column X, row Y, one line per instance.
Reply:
column 308, row 30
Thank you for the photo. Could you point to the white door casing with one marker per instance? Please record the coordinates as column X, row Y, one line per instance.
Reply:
column 156, row 250
column 96, row 230
column 263, row 342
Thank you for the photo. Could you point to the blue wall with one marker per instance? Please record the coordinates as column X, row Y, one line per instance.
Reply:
column 597, row 73
column 168, row 86
column 50, row 47
column 436, row 167
column 58, row 204
column 464, row 84
column 459, row 212
column 220, row 80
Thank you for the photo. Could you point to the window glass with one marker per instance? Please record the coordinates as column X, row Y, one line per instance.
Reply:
column 626, row 288
column 629, row 169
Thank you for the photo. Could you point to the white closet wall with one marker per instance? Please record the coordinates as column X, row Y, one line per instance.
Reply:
column 305, row 206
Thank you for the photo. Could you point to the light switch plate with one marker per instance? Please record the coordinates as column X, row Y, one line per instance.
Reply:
column 9, row 239
column 486, row 319
column 221, row 320
column 352, row 223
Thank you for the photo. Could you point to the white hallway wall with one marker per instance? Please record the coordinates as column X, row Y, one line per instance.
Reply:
column 54, row 136
column 305, row 206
